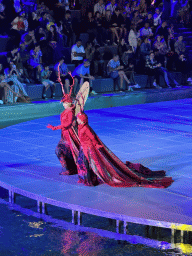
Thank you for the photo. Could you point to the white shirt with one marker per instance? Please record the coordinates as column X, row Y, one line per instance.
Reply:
column 157, row 19
column 111, row 7
column 77, row 50
column 99, row 8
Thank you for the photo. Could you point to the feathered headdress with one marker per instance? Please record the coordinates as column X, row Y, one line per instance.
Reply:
column 66, row 97
column 81, row 103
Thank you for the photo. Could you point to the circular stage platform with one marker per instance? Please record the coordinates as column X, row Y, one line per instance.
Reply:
column 158, row 135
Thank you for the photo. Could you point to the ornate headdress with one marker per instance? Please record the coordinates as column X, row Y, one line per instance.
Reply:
column 66, row 97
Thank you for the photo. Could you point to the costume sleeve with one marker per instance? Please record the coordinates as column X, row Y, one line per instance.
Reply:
column 92, row 136
column 66, row 121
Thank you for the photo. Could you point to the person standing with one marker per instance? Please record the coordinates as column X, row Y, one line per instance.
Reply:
column 97, row 164
column 65, row 150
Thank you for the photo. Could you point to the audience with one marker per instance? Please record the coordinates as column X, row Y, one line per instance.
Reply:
column 152, row 71
column 133, row 37
column 38, row 36
column 115, row 71
column 45, row 79
column 63, row 75
column 99, row 7
column 35, row 62
column 82, row 72
column 162, row 49
column 180, row 46
column 146, row 31
column 77, row 53
column 111, row 6
column 67, row 28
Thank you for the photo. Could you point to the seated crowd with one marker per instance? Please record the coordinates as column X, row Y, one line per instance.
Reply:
column 141, row 32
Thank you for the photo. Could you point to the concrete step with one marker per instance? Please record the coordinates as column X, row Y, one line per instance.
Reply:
column 35, row 91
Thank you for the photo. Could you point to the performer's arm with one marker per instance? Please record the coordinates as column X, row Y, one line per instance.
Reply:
column 65, row 123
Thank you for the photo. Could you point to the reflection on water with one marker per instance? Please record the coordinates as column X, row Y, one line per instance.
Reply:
column 26, row 235
column 36, row 224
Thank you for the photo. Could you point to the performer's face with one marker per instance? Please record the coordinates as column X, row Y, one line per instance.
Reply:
column 79, row 121
column 66, row 105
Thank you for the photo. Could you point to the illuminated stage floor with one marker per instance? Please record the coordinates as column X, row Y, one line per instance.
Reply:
column 158, row 135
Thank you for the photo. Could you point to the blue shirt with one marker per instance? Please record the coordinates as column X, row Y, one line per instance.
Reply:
column 81, row 70
column 62, row 68
column 113, row 64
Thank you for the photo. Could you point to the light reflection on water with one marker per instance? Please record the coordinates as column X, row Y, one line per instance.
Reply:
column 26, row 235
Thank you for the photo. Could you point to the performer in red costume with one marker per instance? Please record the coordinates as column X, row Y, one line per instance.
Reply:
column 67, row 149
column 97, row 164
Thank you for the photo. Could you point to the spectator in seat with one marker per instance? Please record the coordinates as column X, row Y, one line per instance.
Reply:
column 24, row 61
column 29, row 39
column 67, row 28
column 98, row 62
column 20, row 23
column 100, row 31
column 150, row 20
column 162, row 30
column 157, row 18
column 152, row 70
column 106, row 24
column 35, row 63
column 13, row 75
column 162, row 49
column 66, row 78
column 118, row 25
column 55, row 43
column 146, row 31
column 122, row 47
column 82, row 72
column 111, row 6
column 115, row 70
column 33, row 21
column 89, row 53
column 183, row 67
column 4, row 87
column 14, row 56
column 45, row 79
column 44, row 20
column 180, row 46
column 77, row 53
column 99, row 7
column 128, row 62
column 127, row 10
column 136, row 19
column 179, row 51
column 133, row 37
column 145, row 48
column 25, row 20
column 88, row 26
column 41, row 35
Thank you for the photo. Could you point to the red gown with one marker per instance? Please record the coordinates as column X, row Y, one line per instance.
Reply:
column 111, row 170
column 67, row 149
